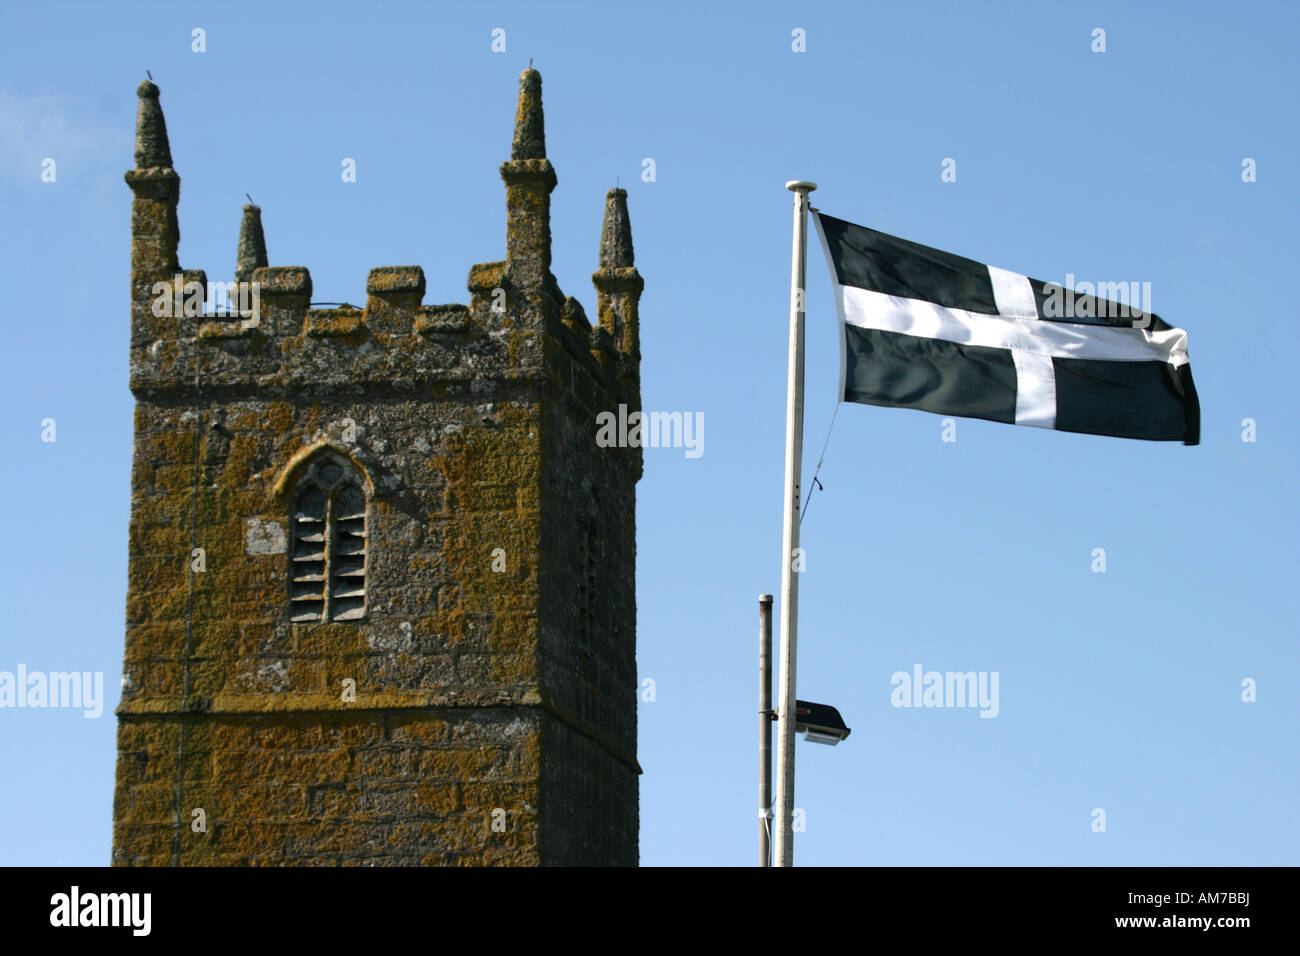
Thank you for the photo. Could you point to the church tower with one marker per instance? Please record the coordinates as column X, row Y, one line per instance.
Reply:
column 381, row 597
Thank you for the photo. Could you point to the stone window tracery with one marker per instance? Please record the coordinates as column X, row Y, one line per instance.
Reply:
column 327, row 559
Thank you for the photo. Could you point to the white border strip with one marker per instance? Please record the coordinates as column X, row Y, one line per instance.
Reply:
column 839, row 299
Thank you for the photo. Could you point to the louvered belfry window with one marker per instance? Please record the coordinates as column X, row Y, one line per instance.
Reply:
column 327, row 567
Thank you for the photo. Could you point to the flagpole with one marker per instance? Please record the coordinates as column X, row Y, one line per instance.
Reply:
column 790, row 534
column 765, row 729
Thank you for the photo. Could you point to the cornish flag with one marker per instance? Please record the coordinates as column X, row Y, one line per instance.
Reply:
column 930, row 330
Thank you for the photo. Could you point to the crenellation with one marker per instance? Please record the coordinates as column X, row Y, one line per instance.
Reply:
column 289, row 282
column 394, row 298
column 602, row 348
column 487, row 288
column 444, row 319
column 393, row 280
column 628, row 369
column 228, row 330
column 340, row 323
column 575, row 318
column 284, row 299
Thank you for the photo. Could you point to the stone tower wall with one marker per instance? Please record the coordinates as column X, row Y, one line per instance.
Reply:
column 482, row 710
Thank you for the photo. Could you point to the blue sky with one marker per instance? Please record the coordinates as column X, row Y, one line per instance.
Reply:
column 1118, row 690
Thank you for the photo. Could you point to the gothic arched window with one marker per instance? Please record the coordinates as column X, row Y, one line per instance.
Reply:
column 327, row 562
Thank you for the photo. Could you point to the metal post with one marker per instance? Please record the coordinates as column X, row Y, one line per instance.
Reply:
column 765, row 730
column 790, row 535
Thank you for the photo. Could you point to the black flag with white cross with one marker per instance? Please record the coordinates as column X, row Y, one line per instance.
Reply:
column 930, row 330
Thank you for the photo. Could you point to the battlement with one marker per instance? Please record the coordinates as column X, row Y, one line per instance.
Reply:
column 517, row 327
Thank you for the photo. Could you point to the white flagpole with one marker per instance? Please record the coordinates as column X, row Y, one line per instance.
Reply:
column 790, row 535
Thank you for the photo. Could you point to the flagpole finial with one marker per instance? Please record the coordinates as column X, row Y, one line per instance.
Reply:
column 800, row 186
